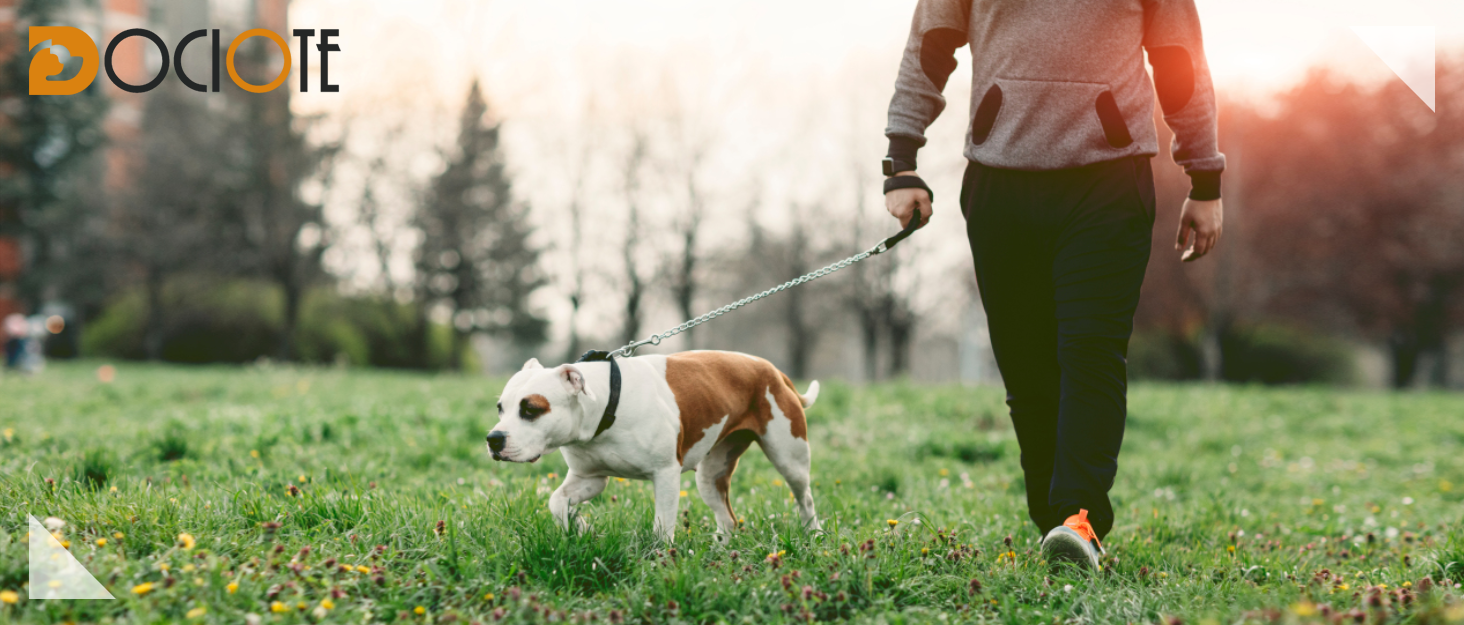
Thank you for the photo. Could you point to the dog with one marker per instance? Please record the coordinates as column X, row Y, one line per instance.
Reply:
column 689, row 411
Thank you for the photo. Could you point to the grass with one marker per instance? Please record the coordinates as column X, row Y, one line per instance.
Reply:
column 362, row 496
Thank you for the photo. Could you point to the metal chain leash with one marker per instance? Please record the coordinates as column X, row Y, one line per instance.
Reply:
column 884, row 246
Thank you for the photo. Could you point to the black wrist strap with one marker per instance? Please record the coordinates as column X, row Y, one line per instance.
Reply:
column 907, row 182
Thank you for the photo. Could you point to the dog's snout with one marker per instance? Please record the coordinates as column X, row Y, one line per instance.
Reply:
column 496, row 440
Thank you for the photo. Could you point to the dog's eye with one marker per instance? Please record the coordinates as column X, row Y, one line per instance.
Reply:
column 529, row 411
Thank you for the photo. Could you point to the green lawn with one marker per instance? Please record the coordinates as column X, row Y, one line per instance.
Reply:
column 1234, row 504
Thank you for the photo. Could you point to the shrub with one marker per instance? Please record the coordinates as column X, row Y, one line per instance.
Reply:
column 1158, row 355
column 1272, row 354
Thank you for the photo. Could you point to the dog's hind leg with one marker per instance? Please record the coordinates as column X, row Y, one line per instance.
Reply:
column 791, row 456
column 575, row 490
column 714, row 478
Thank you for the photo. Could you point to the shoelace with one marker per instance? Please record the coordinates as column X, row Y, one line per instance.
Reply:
column 1079, row 523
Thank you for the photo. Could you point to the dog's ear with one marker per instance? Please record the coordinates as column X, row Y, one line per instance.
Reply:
column 574, row 381
column 531, row 365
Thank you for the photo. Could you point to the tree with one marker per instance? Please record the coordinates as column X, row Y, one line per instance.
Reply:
column 43, row 140
column 476, row 258
column 1354, row 209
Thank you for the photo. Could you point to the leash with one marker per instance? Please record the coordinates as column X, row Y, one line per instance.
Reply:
column 608, row 418
column 884, row 246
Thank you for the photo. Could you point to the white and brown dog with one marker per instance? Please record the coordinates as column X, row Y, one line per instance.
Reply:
column 692, row 411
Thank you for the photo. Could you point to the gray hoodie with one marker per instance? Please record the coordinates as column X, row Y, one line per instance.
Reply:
column 1061, row 83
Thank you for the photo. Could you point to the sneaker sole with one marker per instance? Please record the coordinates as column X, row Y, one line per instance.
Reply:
column 1064, row 546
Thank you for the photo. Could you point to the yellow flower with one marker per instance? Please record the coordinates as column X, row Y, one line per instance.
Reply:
column 301, row 606
column 363, row 568
column 9, row 433
column 302, row 479
column 419, row 610
column 189, row 568
column 924, row 551
column 113, row 489
column 1446, row 485
column 101, row 542
column 142, row 589
column 945, row 472
column 233, row 586
column 683, row 493
column 186, row 540
column 254, row 453
column 488, row 597
column 892, row 522
column 1230, row 548
column 119, row 535
column 278, row 607
column 327, row 604
column 196, row 612
column 65, row 544
column 164, row 566
column 1304, row 608
column 1407, row 584
column 777, row 482
column 9, row 596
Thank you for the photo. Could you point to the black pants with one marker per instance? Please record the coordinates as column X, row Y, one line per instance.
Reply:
column 1060, row 256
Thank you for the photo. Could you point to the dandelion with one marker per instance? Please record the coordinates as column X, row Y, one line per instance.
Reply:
column 232, row 587
column 164, row 566
column 1230, row 548
column 363, row 569
column 278, row 608
column 892, row 522
column 683, row 493
column 419, row 610
column 327, row 604
column 9, row 596
column 9, row 433
column 301, row 606
column 488, row 596
column 302, row 479
column 254, row 453
column 142, row 589
column 118, row 535
column 186, row 541
column 196, row 612
column 1445, row 486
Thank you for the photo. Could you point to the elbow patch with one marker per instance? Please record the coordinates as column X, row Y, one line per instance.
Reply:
column 1174, row 77
column 938, row 54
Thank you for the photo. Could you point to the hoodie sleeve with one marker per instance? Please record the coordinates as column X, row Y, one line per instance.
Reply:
column 939, row 28
column 1182, row 79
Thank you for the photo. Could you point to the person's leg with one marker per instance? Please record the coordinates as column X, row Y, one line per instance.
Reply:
column 1101, row 255
column 1012, row 250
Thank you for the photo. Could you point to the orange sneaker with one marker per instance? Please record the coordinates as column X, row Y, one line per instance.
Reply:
column 1073, row 542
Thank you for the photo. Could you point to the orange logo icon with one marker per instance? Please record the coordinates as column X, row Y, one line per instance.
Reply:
column 46, row 64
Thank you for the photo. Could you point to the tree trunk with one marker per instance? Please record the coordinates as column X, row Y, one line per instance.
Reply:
column 901, row 330
column 869, row 335
column 154, row 328
column 1404, row 348
column 285, row 350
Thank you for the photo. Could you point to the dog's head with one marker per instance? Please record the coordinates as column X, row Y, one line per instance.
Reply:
column 539, row 410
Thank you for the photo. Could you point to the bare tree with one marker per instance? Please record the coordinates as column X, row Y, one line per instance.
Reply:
column 635, row 285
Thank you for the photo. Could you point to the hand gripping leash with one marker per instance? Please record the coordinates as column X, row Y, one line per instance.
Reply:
column 884, row 246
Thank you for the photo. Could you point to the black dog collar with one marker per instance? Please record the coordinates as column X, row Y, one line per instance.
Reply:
column 608, row 419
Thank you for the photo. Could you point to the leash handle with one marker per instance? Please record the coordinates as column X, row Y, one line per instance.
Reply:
column 910, row 229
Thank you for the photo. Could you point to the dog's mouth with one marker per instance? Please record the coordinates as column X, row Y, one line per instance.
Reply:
column 499, row 456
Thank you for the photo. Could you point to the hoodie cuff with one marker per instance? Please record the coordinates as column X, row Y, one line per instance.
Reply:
column 903, row 149
column 1204, row 185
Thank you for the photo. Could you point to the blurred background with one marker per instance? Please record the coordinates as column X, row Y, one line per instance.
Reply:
column 499, row 180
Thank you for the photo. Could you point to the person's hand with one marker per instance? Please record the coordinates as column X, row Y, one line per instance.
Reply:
column 903, row 203
column 1200, row 224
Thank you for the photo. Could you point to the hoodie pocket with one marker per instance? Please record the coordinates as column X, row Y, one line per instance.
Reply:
column 1041, row 124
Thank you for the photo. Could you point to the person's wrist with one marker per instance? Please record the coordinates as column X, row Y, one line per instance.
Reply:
column 906, row 173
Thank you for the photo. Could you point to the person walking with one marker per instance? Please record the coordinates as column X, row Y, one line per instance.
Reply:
column 1058, row 197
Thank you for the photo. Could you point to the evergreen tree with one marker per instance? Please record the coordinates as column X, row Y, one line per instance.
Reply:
column 475, row 258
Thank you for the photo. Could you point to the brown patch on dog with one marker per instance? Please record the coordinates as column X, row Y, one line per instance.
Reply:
column 538, row 402
column 738, row 443
column 712, row 386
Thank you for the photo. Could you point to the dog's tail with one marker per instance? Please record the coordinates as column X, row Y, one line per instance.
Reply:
column 811, row 396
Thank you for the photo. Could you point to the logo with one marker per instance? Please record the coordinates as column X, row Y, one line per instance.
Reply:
column 45, row 64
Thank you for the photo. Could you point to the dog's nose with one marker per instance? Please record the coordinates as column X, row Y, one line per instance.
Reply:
column 496, row 440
